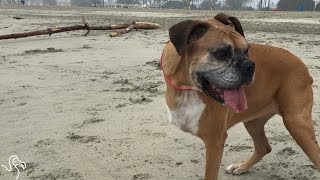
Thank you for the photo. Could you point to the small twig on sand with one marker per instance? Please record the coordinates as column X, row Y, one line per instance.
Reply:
column 86, row 25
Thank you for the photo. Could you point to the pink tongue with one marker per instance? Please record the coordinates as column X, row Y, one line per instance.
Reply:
column 235, row 99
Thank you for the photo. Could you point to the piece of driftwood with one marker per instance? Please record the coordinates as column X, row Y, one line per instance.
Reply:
column 123, row 31
column 85, row 26
column 48, row 31
column 135, row 25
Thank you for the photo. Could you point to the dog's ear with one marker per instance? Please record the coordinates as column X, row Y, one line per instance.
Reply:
column 186, row 31
column 230, row 20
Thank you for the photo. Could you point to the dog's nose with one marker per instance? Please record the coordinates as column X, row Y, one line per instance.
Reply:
column 247, row 68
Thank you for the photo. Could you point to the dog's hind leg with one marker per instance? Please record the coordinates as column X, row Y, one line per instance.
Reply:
column 262, row 147
column 296, row 113
column 301, row 128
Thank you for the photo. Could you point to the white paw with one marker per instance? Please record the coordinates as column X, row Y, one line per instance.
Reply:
column 235, row 169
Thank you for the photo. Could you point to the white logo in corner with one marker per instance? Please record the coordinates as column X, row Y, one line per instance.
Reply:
column 15, row 162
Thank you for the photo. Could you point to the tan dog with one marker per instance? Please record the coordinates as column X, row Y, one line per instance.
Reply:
column 215, row 79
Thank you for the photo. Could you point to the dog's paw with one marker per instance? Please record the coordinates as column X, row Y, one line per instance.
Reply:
column 235, row 169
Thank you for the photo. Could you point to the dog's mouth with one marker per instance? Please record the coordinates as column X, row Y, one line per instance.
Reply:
column 234, row 98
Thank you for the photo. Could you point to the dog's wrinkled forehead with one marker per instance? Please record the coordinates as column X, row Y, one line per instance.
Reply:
column 221, row 29
column 221, row 34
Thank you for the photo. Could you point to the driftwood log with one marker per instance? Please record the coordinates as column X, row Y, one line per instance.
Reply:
column 135, row 25
column 127, row 27
column 123, row 31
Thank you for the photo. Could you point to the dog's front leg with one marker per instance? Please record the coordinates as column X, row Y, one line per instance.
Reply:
column 214, row 152
column 213, row 134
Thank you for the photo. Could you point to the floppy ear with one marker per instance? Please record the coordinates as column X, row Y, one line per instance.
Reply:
column 183, row 33
column 230, row 20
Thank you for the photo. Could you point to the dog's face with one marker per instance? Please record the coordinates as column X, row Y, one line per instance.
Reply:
column 216, row 56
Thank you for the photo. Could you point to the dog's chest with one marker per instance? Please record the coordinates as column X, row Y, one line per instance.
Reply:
column 188, row 112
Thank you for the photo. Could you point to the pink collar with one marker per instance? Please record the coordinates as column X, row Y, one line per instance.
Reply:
column 169, row 81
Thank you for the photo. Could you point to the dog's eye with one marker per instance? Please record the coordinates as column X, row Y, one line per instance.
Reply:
column 222, row 55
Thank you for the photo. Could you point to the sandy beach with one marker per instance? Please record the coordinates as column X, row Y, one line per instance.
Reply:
column 92, row 107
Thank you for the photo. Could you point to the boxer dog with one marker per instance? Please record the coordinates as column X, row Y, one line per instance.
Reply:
column 216, row 79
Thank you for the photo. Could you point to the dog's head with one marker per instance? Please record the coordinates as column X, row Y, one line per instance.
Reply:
column 215, row 53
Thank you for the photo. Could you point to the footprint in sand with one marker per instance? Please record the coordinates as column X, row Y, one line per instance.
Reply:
column 287, row 151
column 141, row 176
column 39, row 51
column 239, row 148
column 159, row 135
column 83, row 139
column 44, row 142
column 93, row 120
column 59, row 174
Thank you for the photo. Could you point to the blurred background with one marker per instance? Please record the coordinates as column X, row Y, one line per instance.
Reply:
column 245, row 5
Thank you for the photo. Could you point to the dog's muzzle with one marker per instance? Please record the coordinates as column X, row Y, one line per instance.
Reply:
column 228, row 89
column 247, row 69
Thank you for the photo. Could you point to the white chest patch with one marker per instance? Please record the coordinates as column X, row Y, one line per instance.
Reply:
column 188, row 112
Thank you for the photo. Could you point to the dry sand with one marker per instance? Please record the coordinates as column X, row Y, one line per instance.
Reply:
column 75, row 107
